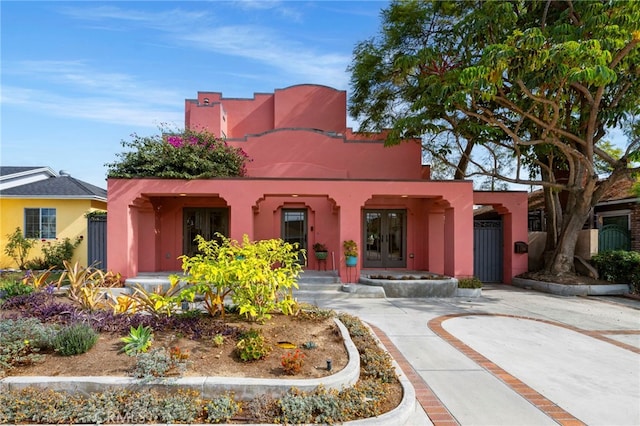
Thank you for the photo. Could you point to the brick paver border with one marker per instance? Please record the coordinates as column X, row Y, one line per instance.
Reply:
column 438, row 412
column 435, row 409
column 544, row 404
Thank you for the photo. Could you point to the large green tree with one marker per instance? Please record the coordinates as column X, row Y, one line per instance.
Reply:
column 544, row 80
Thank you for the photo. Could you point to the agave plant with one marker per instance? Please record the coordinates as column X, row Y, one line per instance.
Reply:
column 138, row 341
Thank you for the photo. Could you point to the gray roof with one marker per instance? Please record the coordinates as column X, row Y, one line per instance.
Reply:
column 10, row 170
column 55, row 187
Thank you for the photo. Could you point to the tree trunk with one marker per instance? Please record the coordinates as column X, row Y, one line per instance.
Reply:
column 561, row 261
column 553, row 215
column 552, row 211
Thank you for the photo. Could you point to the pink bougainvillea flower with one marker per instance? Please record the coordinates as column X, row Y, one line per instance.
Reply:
column 175, row 141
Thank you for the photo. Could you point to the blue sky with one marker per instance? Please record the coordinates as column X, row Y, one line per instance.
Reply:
column 79, row 77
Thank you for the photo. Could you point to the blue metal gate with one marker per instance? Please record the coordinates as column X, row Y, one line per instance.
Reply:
column 487, row 250
column 97, row 241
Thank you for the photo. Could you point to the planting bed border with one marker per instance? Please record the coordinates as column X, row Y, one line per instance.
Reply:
column 572, row 289
column 244, row 388
column 413, row 287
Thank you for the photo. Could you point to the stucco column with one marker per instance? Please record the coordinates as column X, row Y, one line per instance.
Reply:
column 241, row 216
column 350, row 229
column 436, row 241
column 514, row 226
column 458, row 241
column 121, row 228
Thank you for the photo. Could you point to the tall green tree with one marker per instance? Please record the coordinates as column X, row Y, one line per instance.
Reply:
column 543, row 80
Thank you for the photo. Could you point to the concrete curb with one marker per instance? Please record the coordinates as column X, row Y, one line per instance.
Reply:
column 571, row 289
column 468, row 292
column 402, row 413
column 358, row 290
column 413, row 288
column 243, row 388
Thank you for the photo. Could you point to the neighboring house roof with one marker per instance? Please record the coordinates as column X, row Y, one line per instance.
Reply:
column 620, row 190
column 51, row 185
column 16, row 170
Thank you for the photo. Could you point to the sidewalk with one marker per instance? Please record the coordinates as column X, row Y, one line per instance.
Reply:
column 512, row 356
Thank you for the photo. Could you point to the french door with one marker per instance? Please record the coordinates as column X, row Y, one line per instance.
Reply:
column 205, row 222
column 385, row 238
column 294, row 228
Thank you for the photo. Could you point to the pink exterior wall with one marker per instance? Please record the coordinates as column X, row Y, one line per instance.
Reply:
column 301, row 132
column 336, row 207
column 319, row 155
column 304, row 157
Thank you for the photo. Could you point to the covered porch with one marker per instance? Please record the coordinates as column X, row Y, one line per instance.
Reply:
column 149, row 229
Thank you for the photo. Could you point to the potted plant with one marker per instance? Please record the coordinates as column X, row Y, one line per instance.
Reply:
column 469, row 287
column 320, row 250
column 350, row 252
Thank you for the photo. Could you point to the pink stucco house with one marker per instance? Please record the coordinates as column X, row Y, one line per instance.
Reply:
column 311, row 179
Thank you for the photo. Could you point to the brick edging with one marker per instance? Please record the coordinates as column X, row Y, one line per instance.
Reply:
column 431, row 404
column 545, row 405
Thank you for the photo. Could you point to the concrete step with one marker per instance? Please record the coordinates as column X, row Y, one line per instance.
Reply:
column 305, row 286
column 311, row 285
column 319, row 277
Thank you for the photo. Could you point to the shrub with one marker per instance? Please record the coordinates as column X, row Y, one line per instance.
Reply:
column 259, row 276
column 35, row 405
column 18, row 247
column 319, row 406
column 469, row 282
column 158, row 363
column 314, row 313
column 251, row 346
column 221, row 409
column 262, row 409
column 55, row 253
column 619, row 266
column 75, row 339
column 21, row 340
column 11, row 288
column 376, row 363
column 185, row 154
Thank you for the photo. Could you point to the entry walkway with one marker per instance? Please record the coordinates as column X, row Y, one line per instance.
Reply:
column 512, row 356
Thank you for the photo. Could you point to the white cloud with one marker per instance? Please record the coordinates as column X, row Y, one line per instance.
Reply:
column 163, row 20
column 262, row 45
column 82, row 79
column 90, row 94
column 280, row 7
column 96, row 108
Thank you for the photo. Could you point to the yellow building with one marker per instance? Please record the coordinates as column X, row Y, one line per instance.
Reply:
column 48, row 207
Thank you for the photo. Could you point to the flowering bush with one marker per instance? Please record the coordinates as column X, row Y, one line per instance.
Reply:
column 187, row 154
column 55, row 253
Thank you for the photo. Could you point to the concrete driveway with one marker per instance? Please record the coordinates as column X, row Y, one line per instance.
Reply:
column 512, row 356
